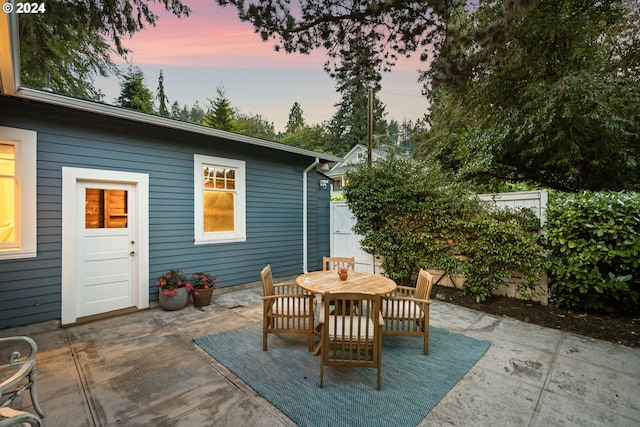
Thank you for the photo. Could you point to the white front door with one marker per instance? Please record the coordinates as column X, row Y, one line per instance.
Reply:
column 105, row 242
column 106, row 247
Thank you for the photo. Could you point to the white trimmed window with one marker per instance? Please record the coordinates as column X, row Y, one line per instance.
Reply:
column 219, row 194
column 18, row 232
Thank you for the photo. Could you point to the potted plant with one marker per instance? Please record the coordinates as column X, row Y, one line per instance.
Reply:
column 343, row 272
column 201, row 287
column 173, row 294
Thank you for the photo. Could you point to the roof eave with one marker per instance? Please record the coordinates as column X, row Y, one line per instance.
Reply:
column 122, row 113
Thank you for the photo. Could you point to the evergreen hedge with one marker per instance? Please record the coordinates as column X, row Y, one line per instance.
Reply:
column 593, row 242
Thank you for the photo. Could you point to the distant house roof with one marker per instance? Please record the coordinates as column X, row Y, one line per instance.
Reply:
column 353, row 157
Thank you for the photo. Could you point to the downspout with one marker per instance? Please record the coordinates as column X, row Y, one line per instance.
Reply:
column 305, row 238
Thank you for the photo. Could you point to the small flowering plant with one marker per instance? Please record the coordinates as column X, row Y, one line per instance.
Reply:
column 202, row 281
column 347, row 268
column 171, row 281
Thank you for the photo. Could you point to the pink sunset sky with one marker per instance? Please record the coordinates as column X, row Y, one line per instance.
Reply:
column 213, row 48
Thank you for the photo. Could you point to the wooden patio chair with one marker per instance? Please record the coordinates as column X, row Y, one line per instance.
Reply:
column 16, row 377
column 351, row 337
column 287, row 308
column 406, row 310
column 334, row 263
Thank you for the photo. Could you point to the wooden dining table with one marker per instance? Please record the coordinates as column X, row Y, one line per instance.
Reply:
column 319, row 282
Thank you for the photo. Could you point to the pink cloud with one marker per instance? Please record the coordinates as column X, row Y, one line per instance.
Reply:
column 214, row 36
column 211, row 36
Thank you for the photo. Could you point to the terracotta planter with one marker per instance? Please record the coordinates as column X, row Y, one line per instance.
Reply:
column 343, row 275
column 174, row 302
column 202, row 297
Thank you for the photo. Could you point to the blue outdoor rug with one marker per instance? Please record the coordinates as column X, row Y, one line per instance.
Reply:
column 288, row 376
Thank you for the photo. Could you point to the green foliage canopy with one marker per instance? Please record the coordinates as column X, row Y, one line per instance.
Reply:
column 413, row 215
column 554, row 101
column 254, row 125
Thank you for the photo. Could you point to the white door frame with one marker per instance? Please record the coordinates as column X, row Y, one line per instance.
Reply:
column 70, row 178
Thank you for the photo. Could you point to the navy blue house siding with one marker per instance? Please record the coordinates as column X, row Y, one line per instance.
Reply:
column 30, row 289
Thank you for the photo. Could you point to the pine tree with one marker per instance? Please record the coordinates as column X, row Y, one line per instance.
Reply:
column 296, row 120
column 196, row 114
column 133, row 93
column 220, row 115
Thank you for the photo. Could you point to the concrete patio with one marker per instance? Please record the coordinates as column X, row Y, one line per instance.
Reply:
column 142, row 369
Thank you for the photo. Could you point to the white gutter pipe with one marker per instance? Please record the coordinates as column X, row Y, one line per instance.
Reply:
column 305, row 238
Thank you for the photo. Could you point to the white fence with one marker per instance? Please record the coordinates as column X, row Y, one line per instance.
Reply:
column 534, row 200
column 344, row 241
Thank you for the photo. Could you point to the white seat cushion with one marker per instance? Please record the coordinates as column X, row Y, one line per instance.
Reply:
column 351, row 328
column 291, row 306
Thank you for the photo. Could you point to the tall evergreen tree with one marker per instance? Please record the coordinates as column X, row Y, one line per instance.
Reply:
column 295, row 120
column 133, row 92
column 175, row 111
column 358, row 71
column 161, row 97
column 196, row 114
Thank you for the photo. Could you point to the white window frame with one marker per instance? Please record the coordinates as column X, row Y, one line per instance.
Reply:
column 25, row 143
column 240, row 233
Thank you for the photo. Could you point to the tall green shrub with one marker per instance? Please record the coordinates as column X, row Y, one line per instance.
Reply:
column 412, row 215
column 594, row 248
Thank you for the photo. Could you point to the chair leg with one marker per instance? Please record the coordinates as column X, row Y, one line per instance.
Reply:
column 311, row 334
column 425, row 326
column 265, row 325
column 379, row 362
column 34, row 395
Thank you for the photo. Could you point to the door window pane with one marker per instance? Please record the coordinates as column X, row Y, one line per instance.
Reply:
column 106, row 208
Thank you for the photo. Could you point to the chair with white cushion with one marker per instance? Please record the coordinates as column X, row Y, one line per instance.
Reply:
column 406, row 310
column 287, row 308
column 350, row 337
